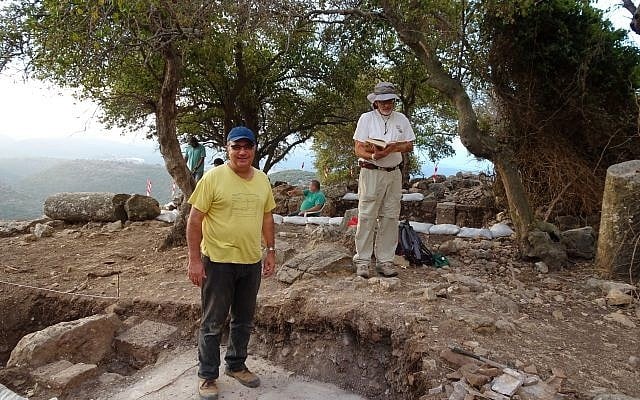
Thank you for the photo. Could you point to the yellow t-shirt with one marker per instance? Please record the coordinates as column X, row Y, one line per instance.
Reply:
column 234, row 210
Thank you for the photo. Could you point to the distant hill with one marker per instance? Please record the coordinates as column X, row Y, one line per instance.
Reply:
column 26, row 183
column 79, row 147
column 296, row 177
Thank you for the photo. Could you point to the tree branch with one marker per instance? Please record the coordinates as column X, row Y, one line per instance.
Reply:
column 635, row 12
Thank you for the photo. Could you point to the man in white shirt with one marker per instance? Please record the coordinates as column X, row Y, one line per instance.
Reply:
column 380, row 181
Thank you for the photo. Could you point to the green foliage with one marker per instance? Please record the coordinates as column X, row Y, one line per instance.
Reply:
column 380, row 57
column 564, row 85
column 265, row 64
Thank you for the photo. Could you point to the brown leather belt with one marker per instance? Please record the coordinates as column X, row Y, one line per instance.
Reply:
column 368, row 165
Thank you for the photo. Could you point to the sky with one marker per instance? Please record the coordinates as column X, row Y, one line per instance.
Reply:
column 33, row 109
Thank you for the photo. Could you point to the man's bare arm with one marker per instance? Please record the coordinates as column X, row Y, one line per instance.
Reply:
column 195, row 267
column 268, row 233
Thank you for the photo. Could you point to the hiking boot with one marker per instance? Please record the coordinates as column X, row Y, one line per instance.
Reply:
column 362, row 270
column 208, row 390
column 386, row 270
column 245, row 377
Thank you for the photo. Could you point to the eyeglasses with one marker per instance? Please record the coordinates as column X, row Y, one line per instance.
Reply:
column 238, row 147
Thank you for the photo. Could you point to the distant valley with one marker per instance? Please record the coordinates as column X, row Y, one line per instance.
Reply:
column 26, row 182
column 33, row 169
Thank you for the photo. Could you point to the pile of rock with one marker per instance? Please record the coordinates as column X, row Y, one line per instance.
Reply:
column 468, row 200
column 13, row 228
column 477, row 376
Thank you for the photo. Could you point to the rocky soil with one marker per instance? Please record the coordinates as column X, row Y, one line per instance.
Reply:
column 382, row 338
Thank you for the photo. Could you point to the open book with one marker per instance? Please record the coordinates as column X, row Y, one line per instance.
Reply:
column 377, row 142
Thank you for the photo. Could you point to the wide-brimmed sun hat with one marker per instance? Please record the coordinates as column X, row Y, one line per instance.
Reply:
column 383, row 91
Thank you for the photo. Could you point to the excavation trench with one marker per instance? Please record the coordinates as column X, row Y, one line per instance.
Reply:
column 343, row 351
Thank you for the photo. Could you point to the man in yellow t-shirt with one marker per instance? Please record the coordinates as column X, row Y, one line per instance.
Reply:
column 231, row 210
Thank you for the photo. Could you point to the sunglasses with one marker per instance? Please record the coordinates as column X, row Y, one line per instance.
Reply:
column 238, row 147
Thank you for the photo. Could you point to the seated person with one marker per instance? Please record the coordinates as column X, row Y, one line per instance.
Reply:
column 313, row 200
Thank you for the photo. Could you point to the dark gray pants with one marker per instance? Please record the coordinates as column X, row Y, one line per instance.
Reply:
column 227, row 287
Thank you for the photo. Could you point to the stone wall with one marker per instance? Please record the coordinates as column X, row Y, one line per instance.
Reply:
column 463, row 200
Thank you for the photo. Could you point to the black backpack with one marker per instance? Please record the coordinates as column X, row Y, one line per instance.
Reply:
column 411, row 247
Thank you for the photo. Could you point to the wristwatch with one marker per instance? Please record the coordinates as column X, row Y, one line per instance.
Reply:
column 271, row 249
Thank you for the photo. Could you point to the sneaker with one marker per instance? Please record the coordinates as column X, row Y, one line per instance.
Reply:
column 245, row 377
column 362, row 270
column 208, row 390
column 386, row 270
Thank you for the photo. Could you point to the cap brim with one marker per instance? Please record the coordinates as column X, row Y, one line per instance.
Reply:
column 381, row 97
column 235, row 139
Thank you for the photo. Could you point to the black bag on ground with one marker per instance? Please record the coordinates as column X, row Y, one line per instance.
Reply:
column 411, row 247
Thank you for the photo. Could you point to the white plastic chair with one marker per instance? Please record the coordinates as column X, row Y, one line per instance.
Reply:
column 315, row 213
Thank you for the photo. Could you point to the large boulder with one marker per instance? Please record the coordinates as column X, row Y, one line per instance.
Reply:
column 86, row 206
column 579, row 242
column 285, row 204
column 543, row 245
column 85, row 340
column 141, row 208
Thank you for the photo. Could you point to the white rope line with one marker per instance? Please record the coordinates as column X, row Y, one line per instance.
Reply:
column 58, row 291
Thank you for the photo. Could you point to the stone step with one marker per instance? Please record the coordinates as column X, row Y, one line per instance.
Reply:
column 140, row 345
column 64, row 374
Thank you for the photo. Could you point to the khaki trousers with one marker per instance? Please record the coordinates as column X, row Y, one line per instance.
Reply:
column 379, row 195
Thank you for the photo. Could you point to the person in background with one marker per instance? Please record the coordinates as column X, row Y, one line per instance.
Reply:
column 313, row 201
column 231, row 209
column 195, row 154
column 218, row 162
column 380, row 181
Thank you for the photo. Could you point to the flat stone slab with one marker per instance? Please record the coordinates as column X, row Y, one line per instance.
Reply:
column 176, row 378
column 43, row 373
column 64, row 374
column 6, row 394
column 140, row 344
column 507, row 384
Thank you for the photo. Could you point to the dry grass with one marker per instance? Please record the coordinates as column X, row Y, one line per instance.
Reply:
column 558, row 182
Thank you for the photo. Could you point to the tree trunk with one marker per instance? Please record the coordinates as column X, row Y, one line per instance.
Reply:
column 405, row 170
column 479, row 144
column 166, row 116
column 519, row 209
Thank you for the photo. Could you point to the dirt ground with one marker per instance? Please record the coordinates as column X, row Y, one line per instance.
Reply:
column 380, row 338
